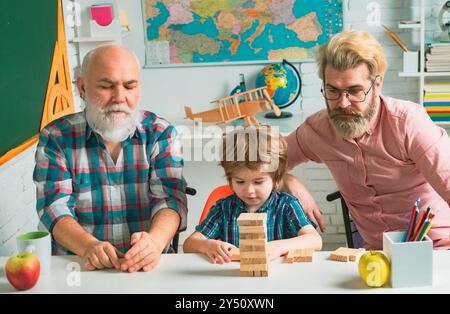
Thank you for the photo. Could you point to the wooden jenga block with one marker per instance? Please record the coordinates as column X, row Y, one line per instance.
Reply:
column 290, row 257
column 252, row 219
column 235, row 254
column 255, row 267
column 253, row 248
column 261, row 273
column 252, row 241
column 305, row 255
column 260, row 230
column 252, row 236
column 300, row 255
column 249, row 254
column 246, row 273
column 344, row 254
column 257, row 260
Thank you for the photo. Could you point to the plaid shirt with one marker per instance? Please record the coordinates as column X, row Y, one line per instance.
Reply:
column 285, row 217
column 75, row 176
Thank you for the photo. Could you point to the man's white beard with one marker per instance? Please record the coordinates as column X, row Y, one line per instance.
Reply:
column 112, row 127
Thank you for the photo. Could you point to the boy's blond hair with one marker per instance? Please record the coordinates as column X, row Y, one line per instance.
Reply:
column 258, row 148
column 350, row 48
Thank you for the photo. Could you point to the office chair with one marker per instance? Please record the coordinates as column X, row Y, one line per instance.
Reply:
column 176, row 238
column 354, row 239
column 216, row 194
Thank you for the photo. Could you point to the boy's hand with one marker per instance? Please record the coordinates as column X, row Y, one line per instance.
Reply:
column 219, row 251
column 102, row 255
column 274, row 250
column 143, row 254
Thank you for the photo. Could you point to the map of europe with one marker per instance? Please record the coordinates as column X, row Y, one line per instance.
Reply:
column 208, row 31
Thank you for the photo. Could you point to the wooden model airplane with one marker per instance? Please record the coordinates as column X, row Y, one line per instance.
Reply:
column 229, row 108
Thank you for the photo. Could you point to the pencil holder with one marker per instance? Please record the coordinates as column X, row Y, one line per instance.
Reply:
column 411, row 262
column 410, row 61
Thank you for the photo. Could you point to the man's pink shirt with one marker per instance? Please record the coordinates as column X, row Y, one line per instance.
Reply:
column 403, row 156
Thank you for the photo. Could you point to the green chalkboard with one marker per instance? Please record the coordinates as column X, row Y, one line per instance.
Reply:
column 28, row 32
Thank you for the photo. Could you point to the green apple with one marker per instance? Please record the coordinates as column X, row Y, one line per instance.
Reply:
column 374, row 268
column 23, row 270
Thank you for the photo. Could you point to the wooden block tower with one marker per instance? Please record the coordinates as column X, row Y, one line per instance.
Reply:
column 253, row 245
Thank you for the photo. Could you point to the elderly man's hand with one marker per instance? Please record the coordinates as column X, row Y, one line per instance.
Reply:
column 293, row 186
column 143, row 253
column 102, row 255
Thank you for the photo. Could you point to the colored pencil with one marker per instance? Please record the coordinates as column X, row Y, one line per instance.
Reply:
column 410, row 226
column 421, row 220
column 429, row 219
column 419, row 232
column 415, row 214
column 425, row 231
column 405, row 234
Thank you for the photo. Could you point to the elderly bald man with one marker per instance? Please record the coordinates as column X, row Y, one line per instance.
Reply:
column 110, row 185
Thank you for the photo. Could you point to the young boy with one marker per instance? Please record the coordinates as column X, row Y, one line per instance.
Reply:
column 255, row 161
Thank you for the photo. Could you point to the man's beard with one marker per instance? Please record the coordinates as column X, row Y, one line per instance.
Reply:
column 109, row 123
column 355, row 126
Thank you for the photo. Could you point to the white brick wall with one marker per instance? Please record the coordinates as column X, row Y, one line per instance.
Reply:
column 17, row 200
column 320, row 183
column 17, row 208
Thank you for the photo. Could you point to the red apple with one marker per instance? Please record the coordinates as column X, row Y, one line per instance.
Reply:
column 23, row 270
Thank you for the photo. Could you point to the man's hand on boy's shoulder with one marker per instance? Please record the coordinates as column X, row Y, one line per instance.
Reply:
column 293, row 186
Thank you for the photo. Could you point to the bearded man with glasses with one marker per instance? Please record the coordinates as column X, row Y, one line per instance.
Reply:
column 383, row 153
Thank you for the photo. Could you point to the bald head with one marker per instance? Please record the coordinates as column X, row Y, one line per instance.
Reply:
column 107, row 67
column 107, row 53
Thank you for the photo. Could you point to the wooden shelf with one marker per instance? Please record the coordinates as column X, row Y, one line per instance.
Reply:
column 412, row 25
column 99, row 39
column 436, row 73
column 424, row 74
column 409, row 74
column 92, row 39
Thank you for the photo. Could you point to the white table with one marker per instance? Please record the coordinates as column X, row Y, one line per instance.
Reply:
column 194, row 274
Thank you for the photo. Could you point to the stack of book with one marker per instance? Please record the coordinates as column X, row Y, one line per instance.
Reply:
column 437, row 100
column 438, row 57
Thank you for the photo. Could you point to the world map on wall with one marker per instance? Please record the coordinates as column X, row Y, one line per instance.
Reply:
column 205, row 31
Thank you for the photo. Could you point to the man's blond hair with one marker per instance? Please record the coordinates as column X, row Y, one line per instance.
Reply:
column 349, row 49
column 258, row 148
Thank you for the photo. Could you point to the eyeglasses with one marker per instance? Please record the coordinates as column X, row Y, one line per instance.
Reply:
column 352, row 94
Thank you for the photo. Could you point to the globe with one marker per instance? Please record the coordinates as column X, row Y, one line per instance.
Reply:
column 283, row 85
